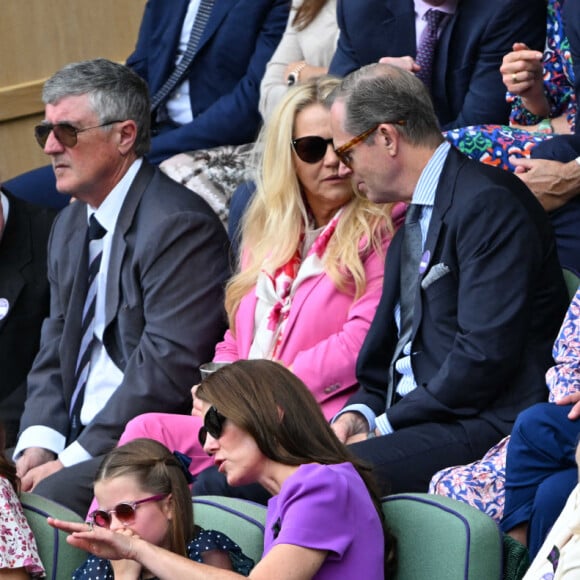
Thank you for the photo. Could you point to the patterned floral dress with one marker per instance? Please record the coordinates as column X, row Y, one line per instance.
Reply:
column 493, row 144
column 481, row 483
column 17, row 543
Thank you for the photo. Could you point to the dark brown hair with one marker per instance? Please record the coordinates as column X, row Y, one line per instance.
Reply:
column 276, row 408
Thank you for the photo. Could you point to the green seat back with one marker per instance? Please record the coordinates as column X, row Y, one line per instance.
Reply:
column 439, row 538
column 243, row 521
column 59, row 558
column 572, row 282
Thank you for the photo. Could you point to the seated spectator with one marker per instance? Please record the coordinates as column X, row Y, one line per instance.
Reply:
column 261, row 424
column 461, row 72
column 19, row 558
column 538, row 456
column 558, row 558
column 310, row 247
column 203, row 63
column 305, row 51
column 136, row 266
column 541, row 94
column 143, row 491
column 24, row 300
column 472, row 293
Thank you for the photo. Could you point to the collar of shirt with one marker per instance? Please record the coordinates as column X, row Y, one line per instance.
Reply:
column 421, row 8
column 108, row 212
column 426, row 187
column 5, row 209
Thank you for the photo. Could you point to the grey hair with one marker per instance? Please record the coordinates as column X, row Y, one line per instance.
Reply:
column 379, row 93
column 115, row 93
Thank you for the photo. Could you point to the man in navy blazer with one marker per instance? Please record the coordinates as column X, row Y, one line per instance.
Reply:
column 467, row 88
column 158, row 311
column 24, row 300
column 489, row 299
column 224, row 78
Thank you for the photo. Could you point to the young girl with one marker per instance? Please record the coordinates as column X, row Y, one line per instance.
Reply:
column 324, row 522
column 18, row 554
column 142, row 491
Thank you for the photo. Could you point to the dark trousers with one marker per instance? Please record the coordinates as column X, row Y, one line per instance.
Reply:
column 404, row 461
column 541, row 470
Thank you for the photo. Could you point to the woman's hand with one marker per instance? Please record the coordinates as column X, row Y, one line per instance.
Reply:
column 98, row 541
column 523, row 74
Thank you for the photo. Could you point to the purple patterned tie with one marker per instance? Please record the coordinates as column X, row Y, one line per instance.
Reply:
column 426, row 49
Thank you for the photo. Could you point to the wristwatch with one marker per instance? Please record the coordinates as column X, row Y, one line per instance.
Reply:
column 294, row 76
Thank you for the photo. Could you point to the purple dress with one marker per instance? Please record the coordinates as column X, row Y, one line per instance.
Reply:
column 328, row 507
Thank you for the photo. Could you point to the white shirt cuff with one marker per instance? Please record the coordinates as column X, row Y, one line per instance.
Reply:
column 39, row 436
column 384, row 425
column 73, row 454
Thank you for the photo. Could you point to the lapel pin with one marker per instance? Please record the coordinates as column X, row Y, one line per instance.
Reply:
column 424, row 262
column 4, row 307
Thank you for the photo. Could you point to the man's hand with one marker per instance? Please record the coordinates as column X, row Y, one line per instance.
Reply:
column 405, row 62
column 573, row 399
column 552, row 182
column 35, row 475
column 350, row 424
column 32, row 457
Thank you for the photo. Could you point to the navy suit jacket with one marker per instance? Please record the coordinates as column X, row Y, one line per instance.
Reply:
column 163, row 313
column 467, row 85
column 224, row 78
column 24, row 287
column 482, row 333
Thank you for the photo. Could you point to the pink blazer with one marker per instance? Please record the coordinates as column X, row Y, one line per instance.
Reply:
column 324, row 332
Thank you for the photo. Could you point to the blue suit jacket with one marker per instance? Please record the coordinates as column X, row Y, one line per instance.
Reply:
column 483, row 332
column 467, row 86
column 225, row 76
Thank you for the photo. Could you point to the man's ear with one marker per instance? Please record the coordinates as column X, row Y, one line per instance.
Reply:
column 127, row 135
column 389, row 138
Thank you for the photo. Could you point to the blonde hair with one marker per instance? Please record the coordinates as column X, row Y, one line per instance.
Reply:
column 278, row 214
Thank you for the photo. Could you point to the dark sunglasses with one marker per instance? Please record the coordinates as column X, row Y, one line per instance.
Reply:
column 311, row 149
column 65, row 133
column 213, row 423
column 125, row 512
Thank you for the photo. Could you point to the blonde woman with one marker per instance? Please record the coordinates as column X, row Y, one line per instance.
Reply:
column 312, row 267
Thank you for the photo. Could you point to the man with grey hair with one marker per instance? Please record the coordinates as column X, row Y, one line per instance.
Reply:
column 473, row 291
column 136, row 267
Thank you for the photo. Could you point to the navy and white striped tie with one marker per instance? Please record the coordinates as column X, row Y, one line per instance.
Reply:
column 180, row 70
column 95, row 243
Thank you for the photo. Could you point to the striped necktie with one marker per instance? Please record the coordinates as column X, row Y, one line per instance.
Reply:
column 94, row 241
column 412, row 245
column 426, row 50
column 180, row 70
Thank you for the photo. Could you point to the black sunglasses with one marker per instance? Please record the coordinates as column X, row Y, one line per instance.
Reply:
column 311, row 149
column 213, row 423
column 65, row 133
column 124, row 511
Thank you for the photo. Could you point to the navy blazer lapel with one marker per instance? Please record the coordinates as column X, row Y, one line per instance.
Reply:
column 398, row 22
column 218, row 13
column 118, row 244
column 443, row 198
